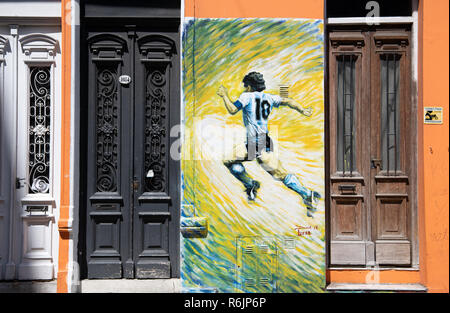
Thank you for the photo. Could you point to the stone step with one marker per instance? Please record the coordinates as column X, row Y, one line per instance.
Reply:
column 338, row 287
column 28, row 286
column 131, row 286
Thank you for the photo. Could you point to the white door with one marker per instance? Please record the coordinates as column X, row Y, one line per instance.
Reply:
column 30, row 162
column 4, row 156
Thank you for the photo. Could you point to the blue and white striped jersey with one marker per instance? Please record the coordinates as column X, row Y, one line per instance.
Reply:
column 256, row 108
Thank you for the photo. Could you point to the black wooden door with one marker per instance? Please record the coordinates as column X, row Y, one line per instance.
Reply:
column 132, row 182
column 156, row 172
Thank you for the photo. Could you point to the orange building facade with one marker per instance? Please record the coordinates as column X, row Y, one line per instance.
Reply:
column 430, row 79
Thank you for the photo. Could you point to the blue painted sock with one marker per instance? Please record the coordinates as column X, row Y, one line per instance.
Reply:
column 238, row 171
column 293, row 183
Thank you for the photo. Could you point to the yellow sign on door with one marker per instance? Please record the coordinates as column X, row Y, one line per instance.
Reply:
column 433, row 115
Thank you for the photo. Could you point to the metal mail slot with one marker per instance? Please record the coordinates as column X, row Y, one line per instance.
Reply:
column 347, row 189
column 35, row 209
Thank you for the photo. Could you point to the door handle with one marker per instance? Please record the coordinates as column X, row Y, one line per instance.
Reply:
column 374, row 163
column 20, row 182
column 135, row 184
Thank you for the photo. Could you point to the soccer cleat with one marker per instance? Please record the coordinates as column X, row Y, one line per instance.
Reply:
column 251, row 192
column 311, row 203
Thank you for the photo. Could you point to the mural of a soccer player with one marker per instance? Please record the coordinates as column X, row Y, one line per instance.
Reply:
column 256, row 107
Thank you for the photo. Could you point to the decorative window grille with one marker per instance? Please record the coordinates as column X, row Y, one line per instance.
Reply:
column 107, row 125
column 155, row 128
column 39, row 137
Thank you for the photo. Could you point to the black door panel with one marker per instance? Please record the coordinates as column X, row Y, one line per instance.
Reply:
column 132, row 193
column 156, row 174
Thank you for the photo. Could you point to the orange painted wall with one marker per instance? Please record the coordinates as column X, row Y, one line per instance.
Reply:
column 255, row 8
column 433, row 140
column 434, row 148
column 367, row 276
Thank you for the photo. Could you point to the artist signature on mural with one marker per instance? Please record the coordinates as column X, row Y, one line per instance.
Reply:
column 304, row 231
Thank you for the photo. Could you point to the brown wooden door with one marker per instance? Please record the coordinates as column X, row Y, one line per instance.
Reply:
column 370, row 147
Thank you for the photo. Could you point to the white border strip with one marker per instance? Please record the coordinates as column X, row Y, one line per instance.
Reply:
column 367, row 20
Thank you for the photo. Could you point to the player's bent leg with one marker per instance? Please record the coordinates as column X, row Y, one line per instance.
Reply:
column 310, row 197
column 238, row 170
column 234, row 165
column 274, row 167
column 292, row 182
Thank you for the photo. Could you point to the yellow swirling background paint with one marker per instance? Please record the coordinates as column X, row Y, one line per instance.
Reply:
column 269, row 245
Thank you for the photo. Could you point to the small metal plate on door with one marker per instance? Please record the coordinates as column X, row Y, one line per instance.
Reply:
column 124, row 79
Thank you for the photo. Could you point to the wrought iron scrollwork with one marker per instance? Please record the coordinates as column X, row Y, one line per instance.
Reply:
column 107, row 128
column 39, row 130
column 155, row 130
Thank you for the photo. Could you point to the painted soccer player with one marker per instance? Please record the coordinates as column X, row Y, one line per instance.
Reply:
column 256, row 107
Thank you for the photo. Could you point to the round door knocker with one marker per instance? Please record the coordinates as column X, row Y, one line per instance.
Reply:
column 124, row 79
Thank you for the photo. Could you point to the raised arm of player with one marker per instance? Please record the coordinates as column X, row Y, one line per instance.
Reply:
column 296, row 106
column 231, row 108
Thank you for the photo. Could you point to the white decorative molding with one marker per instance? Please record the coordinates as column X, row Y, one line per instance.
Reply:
column 43, row 199
column 39, row 47
column 369, row 20
column 10, row 95
column 29, row 9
